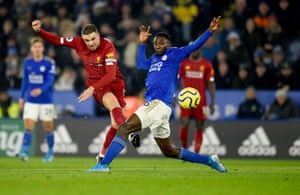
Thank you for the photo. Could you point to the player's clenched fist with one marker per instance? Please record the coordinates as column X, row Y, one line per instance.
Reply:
column 36, row 25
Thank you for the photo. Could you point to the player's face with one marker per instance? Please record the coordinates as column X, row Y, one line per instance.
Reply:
column 37, row 49
column 92, row 40
column 160, row 44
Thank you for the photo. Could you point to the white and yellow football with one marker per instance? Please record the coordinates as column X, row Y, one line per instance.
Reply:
column 189, row 98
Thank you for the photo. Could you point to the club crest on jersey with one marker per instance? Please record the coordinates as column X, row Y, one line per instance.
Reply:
column 42, row 68
column 98, row 58
column 164, row 57
column 69, row 39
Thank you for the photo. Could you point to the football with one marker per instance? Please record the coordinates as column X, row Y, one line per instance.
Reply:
column 189, row 98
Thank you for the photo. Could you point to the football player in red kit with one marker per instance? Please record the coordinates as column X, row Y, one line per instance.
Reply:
column 104, row 79
column 198, row 73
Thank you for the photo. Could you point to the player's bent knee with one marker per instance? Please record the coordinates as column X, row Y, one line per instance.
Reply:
column 124, row 130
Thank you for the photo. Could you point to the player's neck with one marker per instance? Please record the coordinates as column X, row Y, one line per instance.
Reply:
column 38, row 58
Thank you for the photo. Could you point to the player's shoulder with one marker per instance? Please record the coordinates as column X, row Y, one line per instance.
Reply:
column 49, row 60
column 27, row 59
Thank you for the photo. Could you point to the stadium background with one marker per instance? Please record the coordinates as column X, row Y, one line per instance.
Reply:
column 16, row 31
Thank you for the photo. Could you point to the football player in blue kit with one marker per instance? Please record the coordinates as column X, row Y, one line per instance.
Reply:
column 163, row 67
column 36, row 97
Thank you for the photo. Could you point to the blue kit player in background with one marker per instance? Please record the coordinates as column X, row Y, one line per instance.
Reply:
column 36, row 97
column 163, row 67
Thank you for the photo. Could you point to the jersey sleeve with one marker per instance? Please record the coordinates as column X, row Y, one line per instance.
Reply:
column 142, row 61
column 59, row 41
column 197, row 43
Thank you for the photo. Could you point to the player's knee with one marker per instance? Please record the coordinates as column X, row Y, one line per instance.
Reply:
column 124, row 130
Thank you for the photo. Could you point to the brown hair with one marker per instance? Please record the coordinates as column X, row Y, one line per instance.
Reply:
column 88, row 29
column 35, row 40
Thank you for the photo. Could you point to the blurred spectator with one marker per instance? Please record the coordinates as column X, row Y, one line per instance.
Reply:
column 7, row 32
column 250, row 108
column 274, row 34
column 286, row 12
column 223, row 76
column 9, row 108
column 287, row 78
column 102, row 13
column 241, row 13
column 251, row 37
column 210, row 49
column 185, row 12
column 12, row 62
column 263, row 78
column 244, row 78
column 66, row 80
column 282, row 107
column 235, row 51
column 24, row 33
column 228, row 26
column 146, row 13
column 263, row 15
column 79, row 83
column 278, row 56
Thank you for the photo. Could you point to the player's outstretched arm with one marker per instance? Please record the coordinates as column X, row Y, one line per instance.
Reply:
column 214, row 24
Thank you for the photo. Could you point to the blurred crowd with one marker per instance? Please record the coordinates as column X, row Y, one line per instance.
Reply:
column 258, row 44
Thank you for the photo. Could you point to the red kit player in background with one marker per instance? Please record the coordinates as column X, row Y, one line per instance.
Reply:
column 198, row 73
column 104, row 79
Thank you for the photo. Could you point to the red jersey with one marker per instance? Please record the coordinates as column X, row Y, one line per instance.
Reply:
column 196, row 74
column 101, row 64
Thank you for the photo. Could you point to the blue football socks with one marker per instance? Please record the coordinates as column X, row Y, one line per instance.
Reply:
column 187, row 155
column 50, row 141
column 116, row 146
column 26, row 141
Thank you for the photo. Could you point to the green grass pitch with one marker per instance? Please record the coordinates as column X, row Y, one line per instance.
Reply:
column 153, row 176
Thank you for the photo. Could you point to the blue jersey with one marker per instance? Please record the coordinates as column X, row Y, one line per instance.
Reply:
column 163, row 69
column 38, row 74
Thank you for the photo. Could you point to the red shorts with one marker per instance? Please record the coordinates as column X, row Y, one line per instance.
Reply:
column 196, row 113
column 117, row 87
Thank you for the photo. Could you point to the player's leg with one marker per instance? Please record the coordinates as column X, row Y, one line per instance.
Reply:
column 170, row 151
column 133, row 124
column 30, row 115
column 200, row 117
column 110, row 101
column 183, row 131
column 198, row 136
column 47, row 115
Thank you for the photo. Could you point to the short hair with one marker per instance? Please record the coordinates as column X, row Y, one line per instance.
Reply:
column 163, row 34
column 36, row 40
column 88, row 29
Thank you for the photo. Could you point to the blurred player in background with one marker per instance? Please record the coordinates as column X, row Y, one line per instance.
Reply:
column 198, row 73
column 36, row 97
column 163, row 67
column 105, row 81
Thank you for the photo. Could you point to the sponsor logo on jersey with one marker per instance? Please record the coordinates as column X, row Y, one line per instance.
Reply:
column 69, row 39
column 211, row 143
column 294, row 150
column 63, row 142
column 156, row 66
column 36, row 79
column 42, row 68
column 257, row 144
